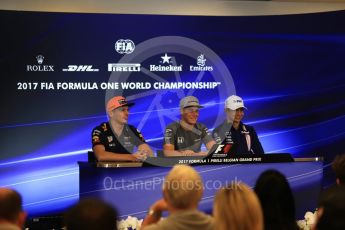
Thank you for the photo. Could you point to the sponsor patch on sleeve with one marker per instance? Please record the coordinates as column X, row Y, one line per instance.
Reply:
column 207, row 132
column 140, row 135
column 168, row 133
column 95, row 139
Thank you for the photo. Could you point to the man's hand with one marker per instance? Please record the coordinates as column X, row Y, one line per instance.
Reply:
column 141, row 155
column 188, row 153
column 201, row 154
column 155, row 213
column 160, row 206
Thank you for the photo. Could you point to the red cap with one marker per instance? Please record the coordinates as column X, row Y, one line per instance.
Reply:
column 116, row 102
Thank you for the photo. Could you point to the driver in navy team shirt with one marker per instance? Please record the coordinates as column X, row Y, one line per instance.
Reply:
column 232, row 132
column 116, row 140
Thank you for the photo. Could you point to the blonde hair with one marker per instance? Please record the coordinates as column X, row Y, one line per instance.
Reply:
column 236, row 206
column 183, row 187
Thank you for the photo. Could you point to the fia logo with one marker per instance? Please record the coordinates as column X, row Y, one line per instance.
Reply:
column 180, row 140
column 124, row 46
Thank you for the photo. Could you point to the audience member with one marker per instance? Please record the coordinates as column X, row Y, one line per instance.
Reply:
column 182, row 191
column 90, row 214
column 12, row 216
column 277, row 201
column 236, row 206
column 331, row 211
column 338, row 167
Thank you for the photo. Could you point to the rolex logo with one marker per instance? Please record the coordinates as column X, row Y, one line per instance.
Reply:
column 40, row 59
column 39, row 67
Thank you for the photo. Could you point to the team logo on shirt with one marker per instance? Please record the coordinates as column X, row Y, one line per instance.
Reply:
column 104, row 127
column 127, row 142
column 207, row 132
column 180, row 140
column 228, row 138
column 110, row 138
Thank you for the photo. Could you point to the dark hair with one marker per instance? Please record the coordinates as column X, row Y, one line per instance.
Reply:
column 10, row 204
column 332, row 202
column 277, row 200
column 91, row 214
column 338, row 167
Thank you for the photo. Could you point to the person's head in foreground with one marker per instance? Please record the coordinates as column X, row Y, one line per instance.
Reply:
column 90, row 214
column 277, row 201
column 331, row 211
column 338, row 166
column 182, row 191
column 189, row 107
column 236, row 206
column 12, row 215
column 118, row 110
column 183, row 188
column 234, row 109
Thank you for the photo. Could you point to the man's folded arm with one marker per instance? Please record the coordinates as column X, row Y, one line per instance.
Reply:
column 103, row 155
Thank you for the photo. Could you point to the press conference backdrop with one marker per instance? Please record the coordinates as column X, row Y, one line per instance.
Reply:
column 58, row 69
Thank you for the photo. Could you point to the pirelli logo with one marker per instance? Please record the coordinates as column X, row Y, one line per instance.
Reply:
column 123, row 67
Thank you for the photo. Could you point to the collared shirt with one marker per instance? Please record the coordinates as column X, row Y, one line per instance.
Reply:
column 130, row 137
column 227, row 134
column 184, row 220
column 184, row 139
column 9, row 226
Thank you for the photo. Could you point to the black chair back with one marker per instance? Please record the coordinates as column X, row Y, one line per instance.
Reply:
column 91, row 156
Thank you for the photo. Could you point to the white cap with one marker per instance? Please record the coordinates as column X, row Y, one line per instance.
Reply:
column 234, row 102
